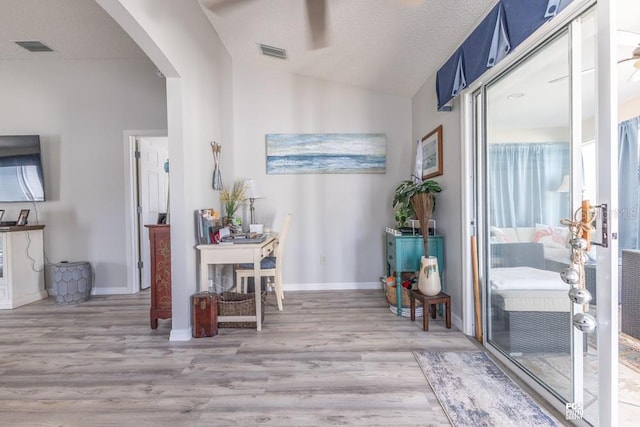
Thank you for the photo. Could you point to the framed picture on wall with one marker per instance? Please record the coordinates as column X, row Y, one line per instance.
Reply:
column 22, row 218
column 432, row 154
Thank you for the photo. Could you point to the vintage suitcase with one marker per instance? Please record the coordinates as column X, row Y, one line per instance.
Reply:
column 205, row 314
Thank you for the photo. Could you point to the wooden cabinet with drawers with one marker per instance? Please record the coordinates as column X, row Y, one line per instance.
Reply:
column 404, row 252
column 160, row 250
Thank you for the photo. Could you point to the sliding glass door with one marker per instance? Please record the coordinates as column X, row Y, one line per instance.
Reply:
column 539, row 157
column 528, row 166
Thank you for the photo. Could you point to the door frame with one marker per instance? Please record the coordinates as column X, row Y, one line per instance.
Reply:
column 607, row 192
column 606, row 131
column 133, row 230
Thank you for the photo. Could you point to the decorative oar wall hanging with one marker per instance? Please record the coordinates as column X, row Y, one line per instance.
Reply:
column 217, row 177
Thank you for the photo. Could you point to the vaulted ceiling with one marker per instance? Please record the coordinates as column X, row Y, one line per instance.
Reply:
column 386, row 45
column 391, row 46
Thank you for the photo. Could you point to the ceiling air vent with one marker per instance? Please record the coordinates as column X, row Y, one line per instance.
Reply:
column 276, row 52
column 34, row 46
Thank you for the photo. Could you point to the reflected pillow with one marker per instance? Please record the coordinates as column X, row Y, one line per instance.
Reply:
column 551, row 237
column 498, row 236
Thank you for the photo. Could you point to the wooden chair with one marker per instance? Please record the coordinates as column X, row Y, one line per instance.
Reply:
column 270, row 267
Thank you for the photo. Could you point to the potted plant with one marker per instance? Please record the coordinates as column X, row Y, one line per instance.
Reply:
column 416, row 199
column 232, row 199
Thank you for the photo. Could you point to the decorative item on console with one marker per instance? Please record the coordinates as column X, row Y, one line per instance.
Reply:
column 232, row 199
column 22, row 217
column 429, row 279
column 416, row 199
column 207, row 225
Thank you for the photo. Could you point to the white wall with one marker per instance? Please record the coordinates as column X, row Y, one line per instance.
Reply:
column 80, row 109
column 448, row 214
column 336, row 239
column 629, row 110
column 182, row 43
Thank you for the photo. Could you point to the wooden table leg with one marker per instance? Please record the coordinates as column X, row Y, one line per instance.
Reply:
column 398, row 295
column 447, row 309
column 425, row 315
column 257, row 287
column 412, row 303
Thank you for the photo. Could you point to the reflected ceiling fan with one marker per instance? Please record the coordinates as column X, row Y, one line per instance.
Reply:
column 635, row 56
column 316, row 13
column 625, row 38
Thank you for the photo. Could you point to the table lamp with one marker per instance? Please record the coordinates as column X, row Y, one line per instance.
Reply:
column 565, row 185
column 252, row 193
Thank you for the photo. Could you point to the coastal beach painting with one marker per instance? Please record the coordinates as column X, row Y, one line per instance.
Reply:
column 316, row 153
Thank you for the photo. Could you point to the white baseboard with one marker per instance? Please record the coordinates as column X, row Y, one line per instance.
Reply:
column 457, row 322
column 23, row 300
column 180, row 335
column 100, row 291
column 346, row 286
column 110, row 291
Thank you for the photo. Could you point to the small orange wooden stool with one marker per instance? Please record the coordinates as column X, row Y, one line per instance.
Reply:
column 430, row 307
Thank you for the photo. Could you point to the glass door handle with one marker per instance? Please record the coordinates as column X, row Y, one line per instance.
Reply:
column 604, row 228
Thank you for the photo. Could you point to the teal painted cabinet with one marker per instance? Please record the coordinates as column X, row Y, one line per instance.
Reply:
column 404, row 252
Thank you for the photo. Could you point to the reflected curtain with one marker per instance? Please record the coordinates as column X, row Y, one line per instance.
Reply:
column 522, row 183
column 628, row 184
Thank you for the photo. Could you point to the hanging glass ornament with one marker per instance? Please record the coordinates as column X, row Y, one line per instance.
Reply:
column 579, row 243
column 584, row 322
column 580, row 295
column 570, row 276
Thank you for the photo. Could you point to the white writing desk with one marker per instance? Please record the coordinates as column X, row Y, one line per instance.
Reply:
column 237, row 253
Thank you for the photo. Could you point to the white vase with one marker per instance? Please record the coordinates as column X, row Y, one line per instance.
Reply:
column 429, row 279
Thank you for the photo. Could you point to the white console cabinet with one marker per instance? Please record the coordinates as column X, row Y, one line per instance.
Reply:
column 21, row 265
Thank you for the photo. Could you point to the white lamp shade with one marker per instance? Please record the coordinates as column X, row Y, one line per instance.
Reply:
column 565, row 185
column 251, row 190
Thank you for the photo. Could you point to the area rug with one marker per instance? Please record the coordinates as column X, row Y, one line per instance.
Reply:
column 474, row 392
column 629, row 351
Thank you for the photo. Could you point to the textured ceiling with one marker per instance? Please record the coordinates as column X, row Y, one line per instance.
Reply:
column 74, row 29
column 386, row 45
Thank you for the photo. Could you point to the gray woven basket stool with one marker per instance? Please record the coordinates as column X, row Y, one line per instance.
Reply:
column 72, row 282
column 630, row 324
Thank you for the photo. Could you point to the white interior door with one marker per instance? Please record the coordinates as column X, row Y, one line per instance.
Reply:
column 153, row 196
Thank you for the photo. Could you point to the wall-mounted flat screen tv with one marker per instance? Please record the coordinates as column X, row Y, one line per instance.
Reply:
column 21, row 178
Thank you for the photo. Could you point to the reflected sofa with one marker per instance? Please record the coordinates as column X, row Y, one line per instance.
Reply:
column 528, row 317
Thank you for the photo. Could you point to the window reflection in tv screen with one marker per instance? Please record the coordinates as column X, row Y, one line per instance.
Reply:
column 21, row 177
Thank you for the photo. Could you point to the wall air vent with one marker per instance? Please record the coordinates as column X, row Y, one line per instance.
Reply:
column 34, row 46
column 276, row 52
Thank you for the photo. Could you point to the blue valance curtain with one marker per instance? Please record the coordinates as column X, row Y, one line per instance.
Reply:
column 508, row 24
column 523, row 180
column 628, row 185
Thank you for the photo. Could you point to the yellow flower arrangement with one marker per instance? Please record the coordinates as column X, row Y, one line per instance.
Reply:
column 232, row 199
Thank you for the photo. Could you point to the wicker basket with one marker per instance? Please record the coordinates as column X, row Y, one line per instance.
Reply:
column 234, row 304
column 392, row 297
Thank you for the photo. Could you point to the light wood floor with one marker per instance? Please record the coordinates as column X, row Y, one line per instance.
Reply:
column 330, row 358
